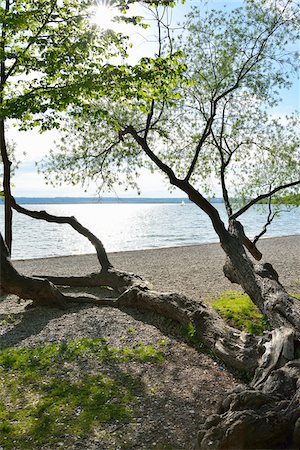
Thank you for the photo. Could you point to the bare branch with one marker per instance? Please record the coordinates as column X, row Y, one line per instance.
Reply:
column 262, row 197
column 270, row 219
column 205, row 134
column 43, row 215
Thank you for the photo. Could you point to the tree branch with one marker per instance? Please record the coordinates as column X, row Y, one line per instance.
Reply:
column 270, row 219
column 205, row 134
column 43, row 215
column 262, row 197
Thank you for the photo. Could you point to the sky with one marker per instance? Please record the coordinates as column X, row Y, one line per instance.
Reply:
column 32, row 146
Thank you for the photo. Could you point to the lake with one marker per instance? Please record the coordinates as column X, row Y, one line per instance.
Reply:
column 130, row 226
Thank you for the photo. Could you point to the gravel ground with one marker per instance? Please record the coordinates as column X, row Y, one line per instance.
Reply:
column 185, row 389
column 195, row 271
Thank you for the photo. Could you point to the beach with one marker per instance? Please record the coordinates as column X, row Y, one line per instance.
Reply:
column 195, row 270
column 188, row 385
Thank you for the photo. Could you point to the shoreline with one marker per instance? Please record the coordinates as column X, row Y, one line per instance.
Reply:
column 145, row 249
column 193, row 270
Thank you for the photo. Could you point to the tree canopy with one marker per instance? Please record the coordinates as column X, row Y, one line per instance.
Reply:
column 196, row 110
column 201, row 111
column 49, row 53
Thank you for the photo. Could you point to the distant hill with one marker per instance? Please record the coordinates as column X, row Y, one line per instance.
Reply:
column 85, row 200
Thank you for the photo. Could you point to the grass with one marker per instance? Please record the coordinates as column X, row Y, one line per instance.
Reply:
column 55, row 394
column 297, row 296
column 189, row 334
column 240, row 312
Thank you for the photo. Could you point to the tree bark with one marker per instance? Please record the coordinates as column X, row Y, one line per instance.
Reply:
column 6, row 187
column 258, row 418
column 119, row 280
column 40, row 290
column 260, row 282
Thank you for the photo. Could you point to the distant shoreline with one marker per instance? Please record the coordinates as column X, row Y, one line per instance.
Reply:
column 103, row 200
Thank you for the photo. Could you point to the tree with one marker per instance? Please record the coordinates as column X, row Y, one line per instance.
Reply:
column 213, row 119
column 188, row 126
column 49, row 54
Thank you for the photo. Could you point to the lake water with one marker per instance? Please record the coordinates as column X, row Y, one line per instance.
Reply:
column 129, row 227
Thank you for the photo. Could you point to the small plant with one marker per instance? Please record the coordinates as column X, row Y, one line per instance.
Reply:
column 10, row 319
column 240, row 312
column 163, row 343
column 189, row 333
column 131, row 331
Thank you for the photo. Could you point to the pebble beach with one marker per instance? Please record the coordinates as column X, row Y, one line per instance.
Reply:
column 187, row 387
column 195, row 270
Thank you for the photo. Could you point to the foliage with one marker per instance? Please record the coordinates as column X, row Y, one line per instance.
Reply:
column 49, row 54
column 92, row 146
column 239, row 62
column 189, row 333
column 204, row 111
column 61, row 392
column 240, row 312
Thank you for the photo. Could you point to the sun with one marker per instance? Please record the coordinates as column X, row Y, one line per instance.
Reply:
column 105, row 14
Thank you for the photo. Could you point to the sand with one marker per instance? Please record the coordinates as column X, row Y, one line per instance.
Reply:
column 195, row 271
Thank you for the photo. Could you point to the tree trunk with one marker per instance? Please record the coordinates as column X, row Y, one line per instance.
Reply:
column 6, row 187
column 258, row 418
column 267, row 414
column 260, row 282
column 40, row 290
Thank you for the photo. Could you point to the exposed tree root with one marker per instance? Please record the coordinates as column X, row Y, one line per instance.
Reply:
column 114, row 278
column 267, row 413
column 264, row 418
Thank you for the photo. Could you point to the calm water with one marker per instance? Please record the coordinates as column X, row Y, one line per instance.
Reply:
column 129, row 227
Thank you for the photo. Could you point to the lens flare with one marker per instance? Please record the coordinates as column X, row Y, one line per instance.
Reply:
column 105, row 13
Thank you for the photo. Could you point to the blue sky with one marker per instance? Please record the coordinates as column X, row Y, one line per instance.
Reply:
column 28, row 183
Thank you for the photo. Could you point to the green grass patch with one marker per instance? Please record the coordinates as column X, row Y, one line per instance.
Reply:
column 57, row 393
column 240, row 312
column 297, row 296
column 189, row 334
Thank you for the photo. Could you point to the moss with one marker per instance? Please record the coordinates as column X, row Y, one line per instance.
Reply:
column 56, row 393
column 239, row 311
